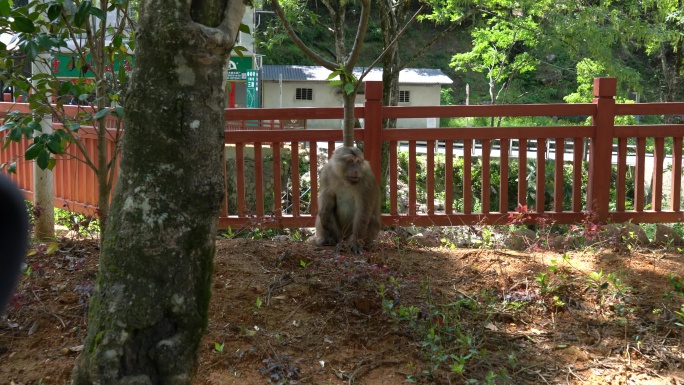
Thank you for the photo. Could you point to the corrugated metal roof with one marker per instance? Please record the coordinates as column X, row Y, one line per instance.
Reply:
column 320, row 74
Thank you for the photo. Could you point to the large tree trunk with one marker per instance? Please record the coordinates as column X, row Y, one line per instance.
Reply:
column 149, row 309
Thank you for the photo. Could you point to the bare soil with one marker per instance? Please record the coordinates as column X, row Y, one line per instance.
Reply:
column 290, row 312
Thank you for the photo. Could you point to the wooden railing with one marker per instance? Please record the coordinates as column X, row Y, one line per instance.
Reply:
column 295, row 203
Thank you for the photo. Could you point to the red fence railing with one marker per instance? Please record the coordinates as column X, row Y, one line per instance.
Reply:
column 287, row 197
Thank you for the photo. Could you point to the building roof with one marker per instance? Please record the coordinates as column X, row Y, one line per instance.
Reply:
column 320, row 74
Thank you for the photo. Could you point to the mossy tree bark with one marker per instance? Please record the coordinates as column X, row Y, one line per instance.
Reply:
column 149, row 309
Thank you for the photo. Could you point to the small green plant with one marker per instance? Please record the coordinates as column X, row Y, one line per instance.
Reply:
column 80, row 224
column 677, row 284
column 228, row 233
column 458, row 367
column 296, row 235
column 596, row 281
column 556, row 269
column 485, row 238
column 258, row 303
column 219, row 347
column 543, row 281
column 304, row 264
column 680, row 316
column 558, row 302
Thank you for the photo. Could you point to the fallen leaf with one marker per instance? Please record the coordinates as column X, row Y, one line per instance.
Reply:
column 52, row 248
column 492, row 327
column 33, row 328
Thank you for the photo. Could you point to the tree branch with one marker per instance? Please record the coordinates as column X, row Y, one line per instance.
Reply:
column 360, row 36
column 429, row 45
column 389, row 46
column 297, row 41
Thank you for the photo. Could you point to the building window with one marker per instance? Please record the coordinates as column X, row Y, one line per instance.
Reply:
column 404, row 96
column 304, row 94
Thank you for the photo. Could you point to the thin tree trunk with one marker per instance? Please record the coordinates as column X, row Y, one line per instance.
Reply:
column 103, row 186
column 392, row 14
column 349, row 119
column 149, row 309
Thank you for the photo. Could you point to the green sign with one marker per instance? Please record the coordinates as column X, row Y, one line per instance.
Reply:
column 68, row 66
column 238, row 66
column 252, row 89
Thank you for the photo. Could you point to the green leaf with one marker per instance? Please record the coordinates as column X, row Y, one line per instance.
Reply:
column 65, row 88
column 336, row 83
column 45, row 41
column 117, row 41
column 333, row 75
column 7, row 126
column 31, row 50
column 74, row 126
column 54, row 11
column 118, row 112
column 349, row 88
column 51, row 164
column 55, row 145
column 97, row 12
column 244, row 28
column 101, row 114
column 15, row 135
column 23, row 24
column 43, row 159
column 239, row 50
column 34, row 125
column 34, row 150
column 62, row 135
column 82, row 13
column 122, row 74
column 5, row 8
column 12, row 168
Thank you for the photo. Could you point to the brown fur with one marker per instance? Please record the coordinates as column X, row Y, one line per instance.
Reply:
column 348, row 201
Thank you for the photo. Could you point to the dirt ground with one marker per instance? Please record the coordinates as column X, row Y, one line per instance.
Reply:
column 291, row 312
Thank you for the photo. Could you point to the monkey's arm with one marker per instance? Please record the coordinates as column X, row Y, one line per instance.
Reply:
column 327, row 230
column 366, row 219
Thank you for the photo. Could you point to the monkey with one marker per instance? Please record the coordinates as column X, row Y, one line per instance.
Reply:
column 348, row 201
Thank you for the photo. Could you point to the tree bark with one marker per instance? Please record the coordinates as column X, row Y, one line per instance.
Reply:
column 349, row 119
column 149, row 309
column 393, row 13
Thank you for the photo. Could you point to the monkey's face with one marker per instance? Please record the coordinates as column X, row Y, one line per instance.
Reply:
column 353, row 171
column 349, row 163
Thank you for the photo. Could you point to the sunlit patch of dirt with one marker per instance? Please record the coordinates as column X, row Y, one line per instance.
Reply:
column 291, row 312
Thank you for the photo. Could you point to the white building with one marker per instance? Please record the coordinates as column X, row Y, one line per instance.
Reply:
column 307, row 86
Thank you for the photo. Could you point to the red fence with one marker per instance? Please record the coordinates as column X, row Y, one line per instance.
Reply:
column 294, row 199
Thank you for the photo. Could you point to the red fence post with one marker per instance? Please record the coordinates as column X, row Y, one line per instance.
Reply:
column 601, row 147
column 372, row 130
